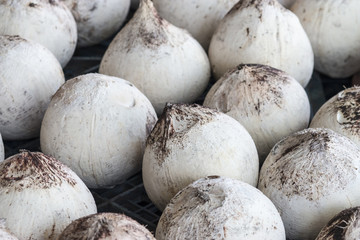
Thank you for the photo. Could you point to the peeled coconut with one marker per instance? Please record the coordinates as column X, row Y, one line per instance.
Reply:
column 220, row 208
column 310, row 176
column 263, row 32
column 97, row 20
column 48, row 22
column 97, row 125
column 29, row 77
column 40, row 196
column 343, row 226
column 200, row 18
column 341, row 113
column 5, row 234
column 106, row 226
column 190, row 142
column 268, row 102
column 331, row 28
column 162, row 61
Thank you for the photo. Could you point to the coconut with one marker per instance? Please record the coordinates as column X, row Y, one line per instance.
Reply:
column 220, row 208
column 310, row 176
column 341, row 113
column 190, row 142
column 268, row 102
column 48, row 22
column 40, row 196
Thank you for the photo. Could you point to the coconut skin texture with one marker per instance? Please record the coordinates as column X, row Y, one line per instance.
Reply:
column 330, row 26
column 200, row 18
column 262, row 32
column 97, row 20
column 39, row 196
column 268, row 102
column 162, row 61
column 310, row 176
column 5, row 234
column 220, row 208
column 30, row 76
column 106, row 226
column 48, row 22
column 97, row 125
column 190, row 142
column 341, row 113
column 343, row 226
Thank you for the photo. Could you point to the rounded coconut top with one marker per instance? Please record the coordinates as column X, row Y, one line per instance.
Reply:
column 105, row 226
column 343, row 226
column 220, row 208
column 48, row 22
column 189, row 142
column 311, row 174
column 268, row 102
column 341, row 113
column 263, row 32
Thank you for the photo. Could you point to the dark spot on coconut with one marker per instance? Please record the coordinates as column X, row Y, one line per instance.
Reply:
column 94, row 7
column 53, row 2
column 247, row 31
column 213, row 177
column 32, row 4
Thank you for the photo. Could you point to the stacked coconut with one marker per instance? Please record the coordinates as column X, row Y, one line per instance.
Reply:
column 242, row 165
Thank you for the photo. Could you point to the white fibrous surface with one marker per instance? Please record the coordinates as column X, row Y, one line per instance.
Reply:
column 106, row 226
column 344, row 225
column 200, row 18
column 30, row 76
column 262, row 32
column 162, row 61
column 190, row 142
column 268, row 102
column 310, row 176
column 97, row 125
column 97, row 20
column 331, row 28
column 40, row 196
column 220, row 208
column 341, row 113
column 48, row 22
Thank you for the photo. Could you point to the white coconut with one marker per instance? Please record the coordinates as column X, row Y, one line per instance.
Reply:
column 220, row 208
column 97, row 125
column 106, row 226
column 190, row 142
column 341, row 113
column 268, row 102
column 200, row 18
column 5, row 234
column 30, row 76
column 97, row 20
column 343, row 226
column 263, row 32
column 331, row 28
column 39, row 196
column 162, row 61
column 287, row 3
column 48, row 22
column 310, row 176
